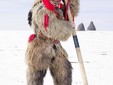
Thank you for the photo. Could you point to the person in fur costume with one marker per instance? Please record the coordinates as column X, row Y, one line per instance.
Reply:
column 44, row 48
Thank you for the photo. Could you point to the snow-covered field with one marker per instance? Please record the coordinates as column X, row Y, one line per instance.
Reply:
column 96, row 48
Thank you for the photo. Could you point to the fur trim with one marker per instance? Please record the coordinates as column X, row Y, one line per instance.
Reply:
column 36, row 2
column 39, row 54
column 75, row 6
column 57, row 29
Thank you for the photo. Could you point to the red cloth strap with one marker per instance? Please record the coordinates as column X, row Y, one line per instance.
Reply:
column 49, row 6
column 31, row 37
column 66, row 11
column 46, row 21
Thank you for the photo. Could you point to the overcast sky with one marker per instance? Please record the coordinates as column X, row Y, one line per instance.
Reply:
column 13, row 14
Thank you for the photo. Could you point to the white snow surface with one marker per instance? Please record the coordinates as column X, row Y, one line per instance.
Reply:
column 96, row 48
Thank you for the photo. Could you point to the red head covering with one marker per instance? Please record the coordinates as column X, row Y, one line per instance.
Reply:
column 49, row 6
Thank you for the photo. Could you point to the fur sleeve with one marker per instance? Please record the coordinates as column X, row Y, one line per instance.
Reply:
column 74, row 6
column 57, row 29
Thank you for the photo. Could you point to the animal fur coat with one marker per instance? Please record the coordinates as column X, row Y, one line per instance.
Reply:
column 44, row 49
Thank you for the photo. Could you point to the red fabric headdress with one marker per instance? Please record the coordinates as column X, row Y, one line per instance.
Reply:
column 49, row 5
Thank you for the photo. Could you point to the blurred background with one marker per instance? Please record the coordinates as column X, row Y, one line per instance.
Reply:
column 13, row 14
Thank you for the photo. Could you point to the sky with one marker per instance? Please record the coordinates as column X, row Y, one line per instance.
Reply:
column 13, row 14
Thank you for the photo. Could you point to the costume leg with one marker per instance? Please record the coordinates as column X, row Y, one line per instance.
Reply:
column 61, row 70
column 38, row 60
column 35, row 77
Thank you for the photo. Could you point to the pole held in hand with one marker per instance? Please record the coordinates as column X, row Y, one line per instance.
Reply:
column 77, row 47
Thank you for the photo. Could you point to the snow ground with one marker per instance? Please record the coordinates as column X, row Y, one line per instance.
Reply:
column 96, row 48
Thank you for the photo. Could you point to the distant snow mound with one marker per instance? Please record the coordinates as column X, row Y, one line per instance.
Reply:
column 81, row 27
column 91, row 26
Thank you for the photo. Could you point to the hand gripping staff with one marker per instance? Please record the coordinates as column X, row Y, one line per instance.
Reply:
column 77, row 47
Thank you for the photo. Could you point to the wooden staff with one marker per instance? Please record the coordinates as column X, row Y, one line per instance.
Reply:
column 77, row 47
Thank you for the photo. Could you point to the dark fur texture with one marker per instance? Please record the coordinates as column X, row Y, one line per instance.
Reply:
column 35, row 77
column 30, row 18
column 61, row 71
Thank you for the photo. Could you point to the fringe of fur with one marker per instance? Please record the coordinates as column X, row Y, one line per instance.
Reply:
column 40, row 56
column 57, row 29
column 75, row 7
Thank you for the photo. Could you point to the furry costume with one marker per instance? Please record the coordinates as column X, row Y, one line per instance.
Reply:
column 44, row 49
